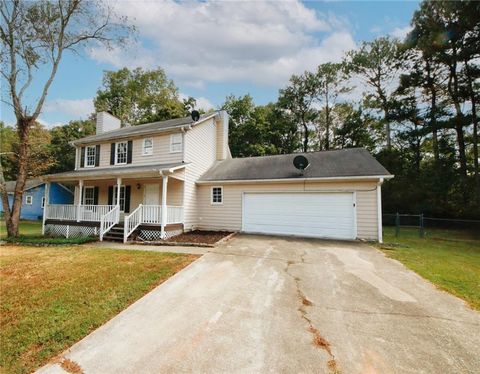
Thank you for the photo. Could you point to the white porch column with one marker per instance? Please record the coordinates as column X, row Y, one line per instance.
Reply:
column 119, row 185
column 164, row 205
column 79, row 202
column 45, row 205
column 379, row 210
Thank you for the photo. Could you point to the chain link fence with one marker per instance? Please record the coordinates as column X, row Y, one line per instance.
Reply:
column 445, row 228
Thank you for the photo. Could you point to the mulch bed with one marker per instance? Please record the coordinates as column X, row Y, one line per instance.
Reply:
column 200, row 237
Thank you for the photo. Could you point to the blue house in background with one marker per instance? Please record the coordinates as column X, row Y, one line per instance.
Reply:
column 34, row 197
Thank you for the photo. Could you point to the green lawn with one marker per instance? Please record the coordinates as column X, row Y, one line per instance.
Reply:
column 27, row 228
column 52, row 297
column 451, row 264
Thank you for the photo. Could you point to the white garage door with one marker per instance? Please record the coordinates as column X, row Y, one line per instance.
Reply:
column 323, row 215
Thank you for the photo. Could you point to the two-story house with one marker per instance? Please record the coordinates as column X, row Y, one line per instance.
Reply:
column 156, row 180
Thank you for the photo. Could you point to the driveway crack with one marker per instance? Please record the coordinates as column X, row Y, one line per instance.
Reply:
column 318, row 340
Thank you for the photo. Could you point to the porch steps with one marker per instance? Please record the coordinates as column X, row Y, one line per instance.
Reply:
column 115, row 234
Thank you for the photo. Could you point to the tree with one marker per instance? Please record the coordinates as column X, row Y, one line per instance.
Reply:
column 354, row 129
column 377, row 64
column 61, row 151
column 298, row 99
column 36, row 35
column 330, row 79
column 140, row 96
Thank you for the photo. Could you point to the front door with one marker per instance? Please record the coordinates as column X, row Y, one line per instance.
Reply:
column 152, row 194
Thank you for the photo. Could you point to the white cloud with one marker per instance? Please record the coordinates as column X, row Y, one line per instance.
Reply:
column 401, row 32
column 202, row 102
column 204, row 41
column 47, row 124
column 80, row 108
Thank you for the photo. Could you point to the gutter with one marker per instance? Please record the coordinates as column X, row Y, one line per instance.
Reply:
column 296, row 180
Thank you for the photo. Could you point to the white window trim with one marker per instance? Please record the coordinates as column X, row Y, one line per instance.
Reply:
column 114, row 196
column 143, row 147
column 43, row 202
column 86, row 156
column 28, row 197
column 116, row 153
column 85, row 195
column 171, row 143
column 211, row 195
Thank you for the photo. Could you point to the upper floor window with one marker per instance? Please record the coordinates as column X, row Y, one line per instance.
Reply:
column 90, row 153
column 147, row 146
column 121, row 153
column 217, row 195
column 176, row 143
column 29, row 199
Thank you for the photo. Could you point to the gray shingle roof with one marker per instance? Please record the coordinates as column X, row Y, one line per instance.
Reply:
column 108, row 172
column 146, row 128
column 352, row 162
column 29, row 184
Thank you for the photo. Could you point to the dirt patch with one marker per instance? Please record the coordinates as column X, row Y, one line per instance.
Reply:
column 71, row 367
column 200, row 237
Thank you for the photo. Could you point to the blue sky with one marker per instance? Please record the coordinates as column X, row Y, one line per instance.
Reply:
column 213, row 49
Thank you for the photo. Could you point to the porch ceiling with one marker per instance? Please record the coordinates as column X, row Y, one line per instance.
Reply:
column 112, row 172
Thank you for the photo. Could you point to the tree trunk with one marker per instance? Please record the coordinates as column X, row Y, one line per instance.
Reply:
column 475, row 126
column 305, row 137
column 23, row 125
column 327, row 123
column 433, row 113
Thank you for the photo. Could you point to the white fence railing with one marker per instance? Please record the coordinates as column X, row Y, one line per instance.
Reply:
column 108, row 220
column 132, row 221
column 151, row 214
column 72, row 212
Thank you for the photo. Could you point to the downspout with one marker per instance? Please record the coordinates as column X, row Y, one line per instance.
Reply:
column 379, row 210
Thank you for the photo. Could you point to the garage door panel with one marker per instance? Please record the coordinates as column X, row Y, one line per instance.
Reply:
column 329, row 215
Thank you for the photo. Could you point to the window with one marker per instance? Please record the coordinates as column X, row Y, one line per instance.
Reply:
column 122, row 197
column 89, row 195
column 90, row 156
column 29, row 199
column 147, row 146
column 43, row 202
column 217, row 195
column 175, row 143
column 121, row 153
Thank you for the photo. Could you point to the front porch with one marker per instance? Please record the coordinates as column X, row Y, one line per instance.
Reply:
column 149, row 208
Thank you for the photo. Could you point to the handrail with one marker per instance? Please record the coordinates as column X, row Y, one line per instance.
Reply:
column 108, row 220
column 132, row 221
column 70, row 212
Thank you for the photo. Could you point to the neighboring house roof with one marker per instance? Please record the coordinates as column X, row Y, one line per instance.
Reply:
column 352, row 162
column 29, row 184
column 145, row 129
column 116, row 171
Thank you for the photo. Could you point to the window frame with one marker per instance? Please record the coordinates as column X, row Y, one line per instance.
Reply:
column 114, row 196
column 172, row 144
column 84, row 199
column 212, row 195
column 27, row 198
column 94, row 147
column 116, row 152
column 150, row 148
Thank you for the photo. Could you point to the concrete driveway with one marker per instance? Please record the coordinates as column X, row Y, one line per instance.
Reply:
column 263, row 304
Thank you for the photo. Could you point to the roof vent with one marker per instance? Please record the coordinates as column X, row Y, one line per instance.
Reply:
column 300, row 162
column 195, row 115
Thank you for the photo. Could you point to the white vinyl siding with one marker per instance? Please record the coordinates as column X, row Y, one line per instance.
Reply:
column 228, row 216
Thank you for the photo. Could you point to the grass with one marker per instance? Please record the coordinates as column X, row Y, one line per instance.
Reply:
column 27, row 228
column 452, row 264
column 54, row 296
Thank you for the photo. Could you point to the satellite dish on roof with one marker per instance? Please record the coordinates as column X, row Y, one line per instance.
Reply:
column 195, row 115
column 300, row 162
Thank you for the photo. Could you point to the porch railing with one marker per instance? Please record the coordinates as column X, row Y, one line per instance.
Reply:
column 151, row 214
column 108, row 220
column 72, row 212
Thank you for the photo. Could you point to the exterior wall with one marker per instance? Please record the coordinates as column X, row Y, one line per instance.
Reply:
column 200, row 152
column 57, row 195
column 223, row 150
column 228, row 216
column 161, row 152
